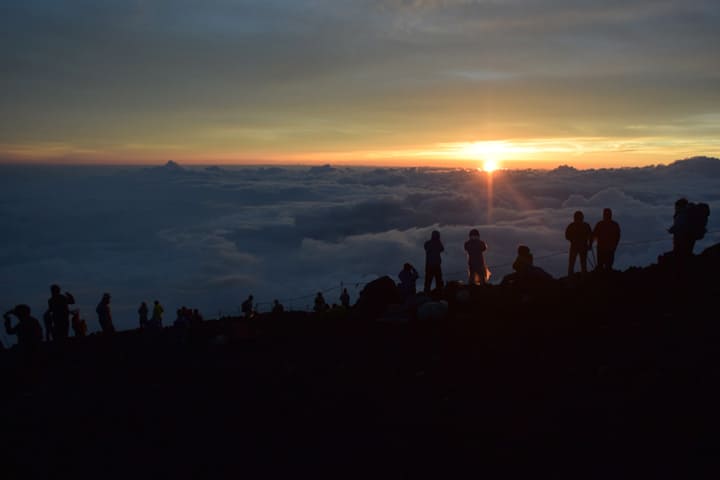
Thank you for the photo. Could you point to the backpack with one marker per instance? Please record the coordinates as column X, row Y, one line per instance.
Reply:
column 697, row 214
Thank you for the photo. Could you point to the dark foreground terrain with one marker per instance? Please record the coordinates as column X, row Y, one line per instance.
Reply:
column 607, row 376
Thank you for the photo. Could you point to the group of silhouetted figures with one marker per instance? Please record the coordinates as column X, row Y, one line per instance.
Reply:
column 689, row 225
column 59, row 317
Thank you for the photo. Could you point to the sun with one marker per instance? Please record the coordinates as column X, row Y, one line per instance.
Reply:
column 490, row 153
column 490, row 165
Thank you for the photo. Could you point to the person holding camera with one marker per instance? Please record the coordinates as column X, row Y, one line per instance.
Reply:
column 59, row 308
column 28, row 329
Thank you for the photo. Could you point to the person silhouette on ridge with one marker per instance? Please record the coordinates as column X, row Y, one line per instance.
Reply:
column 143, row 315
column 28, row 330
column 277, row 307
column 58, row 305
column 105, row 315
column 320, row 304
column 408, row 276
column 345, row 298
column 158, row 310
column 433, row 261
column 525, row 272
column 607, row 235
column 579, row 234
column 478, row 273
column 247, row 307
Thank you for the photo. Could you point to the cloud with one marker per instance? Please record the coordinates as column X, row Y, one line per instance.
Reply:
column 208, row 238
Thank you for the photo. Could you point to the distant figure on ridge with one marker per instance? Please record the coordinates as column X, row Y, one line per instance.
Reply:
column 156, row 320
column 58, row 304
column 579, row 234
column 408, row 276
column 143, row 315
column 478, row 273
column 320, row 304
column 28, row 329
column 105, row 315
column 79, row 325
column 689, row 225
column 345, row 298
column 607, row 235
column 247, row 307
column 433, row 261
column 277, row 307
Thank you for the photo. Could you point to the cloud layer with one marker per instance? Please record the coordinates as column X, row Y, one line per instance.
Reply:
column 208, row 237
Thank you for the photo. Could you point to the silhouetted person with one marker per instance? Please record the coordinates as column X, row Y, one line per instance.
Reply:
column 525, row 272
column 143, row 315
column 247, row 307
column 58, row 304
column 607, row 235
column 277, row 307
column 105, row 315
column 433, row 268
column 345, row 298
column 157, row 315
column 320, row 304
column 408, row 277
column 79, row 325
column 681, row 229
column 28, row 329
column 478, row 273
column 579, row 234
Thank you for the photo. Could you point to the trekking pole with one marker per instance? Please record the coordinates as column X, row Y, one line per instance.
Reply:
column 593, row 262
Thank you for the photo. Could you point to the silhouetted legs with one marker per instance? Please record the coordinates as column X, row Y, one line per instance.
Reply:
column 433, row 272
column 574, row 253
column 605, row 258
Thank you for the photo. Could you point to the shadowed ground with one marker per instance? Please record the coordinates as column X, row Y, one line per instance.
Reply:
column 607, row 376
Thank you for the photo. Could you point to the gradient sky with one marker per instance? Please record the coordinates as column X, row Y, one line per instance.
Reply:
column 394, row 82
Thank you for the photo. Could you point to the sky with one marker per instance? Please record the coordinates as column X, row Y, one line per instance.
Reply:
column 207, row 237
column 449, row 83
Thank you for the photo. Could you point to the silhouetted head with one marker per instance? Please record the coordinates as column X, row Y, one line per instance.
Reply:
column 681, row 203
column 156, row 302
column 607, row 214
column 106, row 297
column 474, row 233
column 435, row 235
column 407, row 266
column 55, row 289
column 578, row 216
column 523, row 250
column 21, row 311
column 250, row 297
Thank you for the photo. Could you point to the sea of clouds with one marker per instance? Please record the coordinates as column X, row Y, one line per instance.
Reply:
column 208, row 237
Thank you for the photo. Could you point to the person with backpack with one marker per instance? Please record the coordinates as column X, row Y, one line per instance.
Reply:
column 607, row 236
column 689, row 225
column 579, row 234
